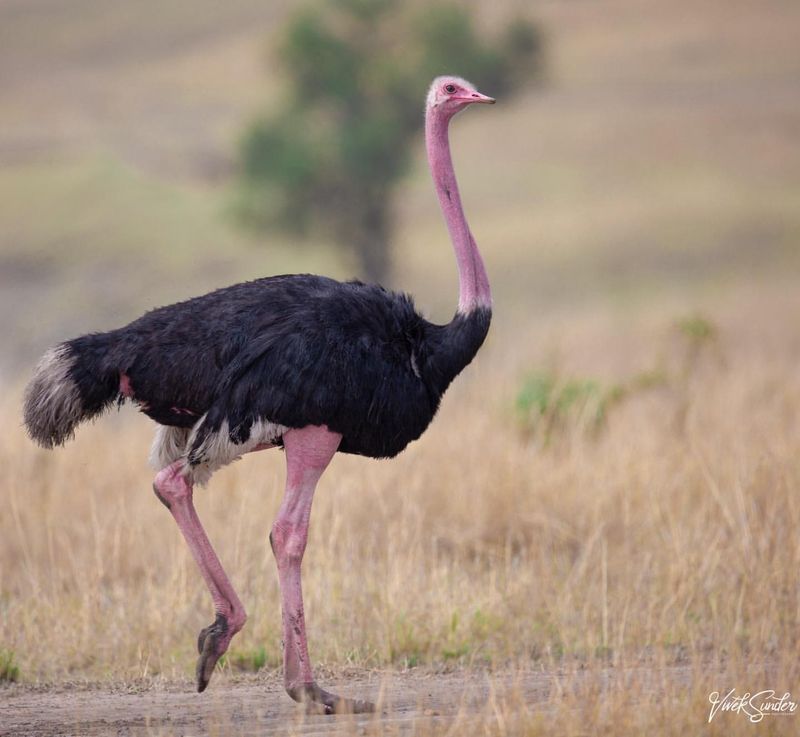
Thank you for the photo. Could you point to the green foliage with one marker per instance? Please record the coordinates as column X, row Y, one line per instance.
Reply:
column 696, row 347
column 408, row 642
column 697, row 328
column 332, row 155
column 456, row 646
column 251, row 661
column 547, row 403
column 697, row 337
column 9, row 670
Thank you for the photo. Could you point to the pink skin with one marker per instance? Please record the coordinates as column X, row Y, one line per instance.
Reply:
column 309, row 450
column 125, row 387
column 308, row 453
column 443, row 104
column 175, row 491
column 126, row 390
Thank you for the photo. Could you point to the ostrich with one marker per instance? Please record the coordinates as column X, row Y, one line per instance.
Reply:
column 301, row 362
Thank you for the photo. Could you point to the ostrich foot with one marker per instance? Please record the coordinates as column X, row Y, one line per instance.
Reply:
column 212, row 642
column 319, row 701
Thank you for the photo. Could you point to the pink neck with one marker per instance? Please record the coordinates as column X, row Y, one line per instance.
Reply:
column 474, row 289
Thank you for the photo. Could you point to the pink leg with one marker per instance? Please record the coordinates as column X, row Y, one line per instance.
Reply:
column 308, row 453
column 172, row 488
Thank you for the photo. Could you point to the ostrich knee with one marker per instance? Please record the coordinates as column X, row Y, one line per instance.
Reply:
column 288, row 542
column 175, row 492
column 171, row 486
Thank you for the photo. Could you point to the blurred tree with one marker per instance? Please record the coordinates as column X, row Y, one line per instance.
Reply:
column 332, row 156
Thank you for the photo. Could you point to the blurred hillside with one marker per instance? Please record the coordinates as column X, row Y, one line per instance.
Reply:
column 660, row 160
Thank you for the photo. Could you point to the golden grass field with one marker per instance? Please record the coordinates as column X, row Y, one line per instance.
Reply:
column 640, row 218
column 664, row 544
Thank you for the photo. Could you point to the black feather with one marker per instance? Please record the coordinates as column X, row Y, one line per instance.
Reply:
column 292, row 350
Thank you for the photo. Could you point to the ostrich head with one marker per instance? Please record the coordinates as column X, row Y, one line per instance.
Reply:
column 448, row 95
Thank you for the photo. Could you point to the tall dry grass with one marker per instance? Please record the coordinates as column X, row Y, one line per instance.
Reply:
column 668, row 539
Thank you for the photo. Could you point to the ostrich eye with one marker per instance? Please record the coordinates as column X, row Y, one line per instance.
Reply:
column 450, row 88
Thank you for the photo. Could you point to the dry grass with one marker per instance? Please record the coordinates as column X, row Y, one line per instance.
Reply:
column 667, row 541
column 616, row 576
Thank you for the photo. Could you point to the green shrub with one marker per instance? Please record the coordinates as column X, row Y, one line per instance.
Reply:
column 9, row 670
column 548, row 404
column 251, row 660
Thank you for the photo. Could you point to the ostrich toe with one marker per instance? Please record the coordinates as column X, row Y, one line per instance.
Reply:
column 319, row 701
column 212, row 642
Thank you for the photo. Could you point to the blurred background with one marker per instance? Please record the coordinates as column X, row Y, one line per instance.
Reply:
column 640, row 154
column 613, row 480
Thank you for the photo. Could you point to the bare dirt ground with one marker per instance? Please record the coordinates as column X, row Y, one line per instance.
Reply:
column 257, row 705
column 412, row 702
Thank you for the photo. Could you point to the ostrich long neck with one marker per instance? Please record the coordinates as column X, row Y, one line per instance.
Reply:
column 474, row 289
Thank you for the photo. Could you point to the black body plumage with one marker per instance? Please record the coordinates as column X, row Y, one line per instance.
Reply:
column 292, row 350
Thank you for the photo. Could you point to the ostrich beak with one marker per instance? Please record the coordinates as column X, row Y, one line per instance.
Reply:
column 478, row 97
